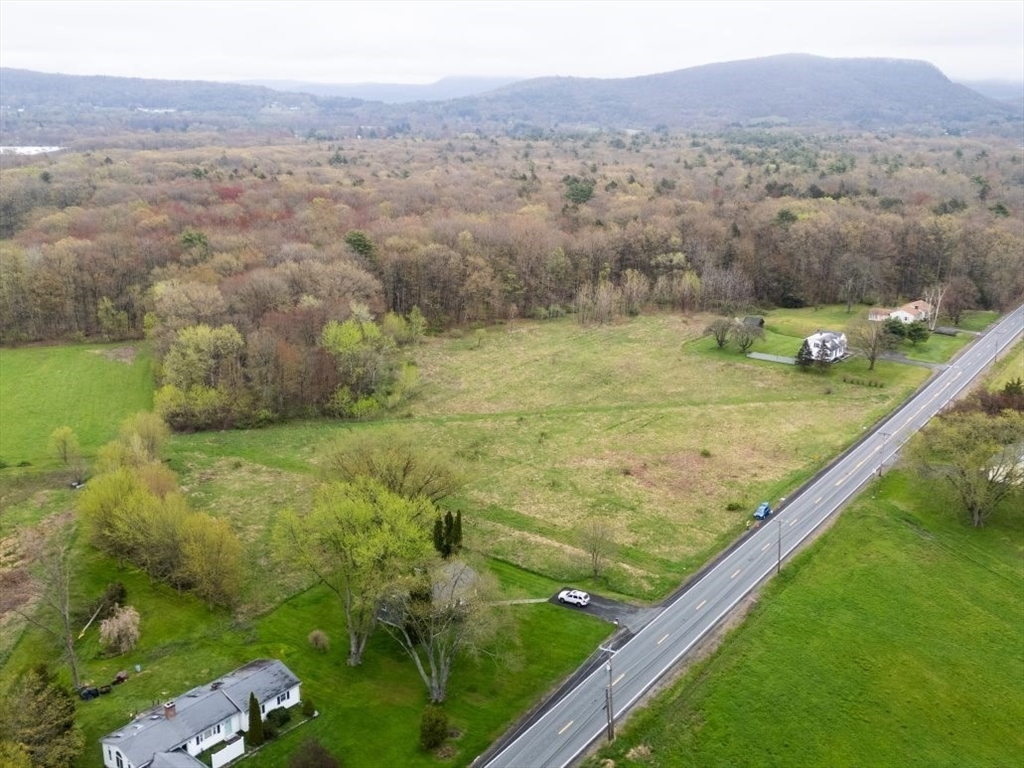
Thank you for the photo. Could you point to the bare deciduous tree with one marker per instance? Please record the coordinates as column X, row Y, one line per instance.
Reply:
column 53, row 571
column 869, row 340
column 446, row 608
column 745, row 334
column 719, row 328
column 596, row 540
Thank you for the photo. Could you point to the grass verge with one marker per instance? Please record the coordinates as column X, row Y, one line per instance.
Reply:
column 895, row 640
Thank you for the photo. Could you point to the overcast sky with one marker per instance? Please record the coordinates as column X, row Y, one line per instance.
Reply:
column 421, row 42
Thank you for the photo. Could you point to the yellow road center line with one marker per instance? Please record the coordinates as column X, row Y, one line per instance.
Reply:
column 818, row 500
column 701, row 604
column 566, row 727
column 766, row 546
column 793, row 521
column 664, row 638
column 618, row 678
column 736, row 574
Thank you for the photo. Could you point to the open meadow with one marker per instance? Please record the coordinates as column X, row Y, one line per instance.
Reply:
column 643, row 424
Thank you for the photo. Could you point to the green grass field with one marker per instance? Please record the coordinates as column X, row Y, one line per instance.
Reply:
column 643, row 424
column 897, row 639
column 88, row 387
column 670, row 441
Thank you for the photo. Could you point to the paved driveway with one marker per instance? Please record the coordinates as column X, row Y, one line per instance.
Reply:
column 621, row 614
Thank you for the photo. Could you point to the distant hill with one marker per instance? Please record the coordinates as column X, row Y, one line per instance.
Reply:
column 394, row 93
column 795, row 90
column 21, row 88
column 1001, row 90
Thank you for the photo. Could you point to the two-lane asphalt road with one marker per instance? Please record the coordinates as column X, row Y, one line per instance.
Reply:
column 571, row 724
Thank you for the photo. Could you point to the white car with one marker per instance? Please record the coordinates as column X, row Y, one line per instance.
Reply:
column 574, row 596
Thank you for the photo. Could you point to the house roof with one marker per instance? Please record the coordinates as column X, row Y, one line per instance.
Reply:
column 917, row 307
column 201, row 708
column 827, row 337
column 175, row 760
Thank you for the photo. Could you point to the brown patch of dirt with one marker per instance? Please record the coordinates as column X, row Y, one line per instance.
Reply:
column 124, row 355
column 19, row 590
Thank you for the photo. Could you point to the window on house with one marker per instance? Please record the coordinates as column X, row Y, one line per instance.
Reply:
column 120, row 762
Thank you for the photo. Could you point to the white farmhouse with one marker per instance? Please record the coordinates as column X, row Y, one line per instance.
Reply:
column 829, row 346
column 173, row 734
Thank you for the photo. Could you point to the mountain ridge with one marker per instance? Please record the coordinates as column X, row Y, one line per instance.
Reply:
column 793, row 90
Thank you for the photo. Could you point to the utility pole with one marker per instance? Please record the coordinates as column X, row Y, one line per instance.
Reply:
column 609, row 704
column 778, row 560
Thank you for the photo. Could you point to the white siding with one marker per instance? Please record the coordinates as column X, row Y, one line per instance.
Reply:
column 228, row 754
column 289, row 698
column 200, row 742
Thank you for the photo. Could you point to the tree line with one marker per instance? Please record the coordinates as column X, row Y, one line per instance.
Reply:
column 235, row 262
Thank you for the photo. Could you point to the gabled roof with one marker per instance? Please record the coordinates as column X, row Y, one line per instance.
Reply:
column 828, row 338
column 175, row 760
column 201, row 708
column 917, row 307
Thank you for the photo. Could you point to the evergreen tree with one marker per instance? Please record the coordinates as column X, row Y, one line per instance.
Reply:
column 917, row 332
column 255, row 734
column 457, row 533
column 823, row 359
column 439, row 536
column 805, row 358
column 449, row 529
column 38, row 722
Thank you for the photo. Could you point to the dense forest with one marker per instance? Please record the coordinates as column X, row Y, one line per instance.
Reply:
column 284, row 277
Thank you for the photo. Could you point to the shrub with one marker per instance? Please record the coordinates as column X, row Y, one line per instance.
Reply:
column 120, row 632
column 733, row 506
column 279, row 716
column 103, row 607
column 433, row 727
column 319, row 641
column 312, row 754
column 270, row 729
column 308, row 707
column 705, row 453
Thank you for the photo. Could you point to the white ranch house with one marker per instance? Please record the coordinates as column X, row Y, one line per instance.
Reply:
column 908, row 313
column 827, row 345
column 173, row 734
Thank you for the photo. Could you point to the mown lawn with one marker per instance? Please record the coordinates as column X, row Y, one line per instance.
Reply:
column 369, row 715
column 897, row 639
column 88, row 387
